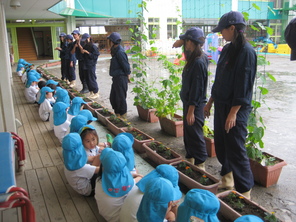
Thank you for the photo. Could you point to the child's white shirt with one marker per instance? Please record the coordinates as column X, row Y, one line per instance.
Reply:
column 44, row 110
column 24, row 78
column 79, row 179
column 20, row 72
column 38, row 96
column 93, row 152
column 61, row 130
column 30, row 94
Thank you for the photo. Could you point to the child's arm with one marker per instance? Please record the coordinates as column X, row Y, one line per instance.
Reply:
column 90, row 159
column 96, row 160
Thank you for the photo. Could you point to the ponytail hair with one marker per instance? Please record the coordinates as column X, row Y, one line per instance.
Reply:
column 237, row 44
column 197, row 52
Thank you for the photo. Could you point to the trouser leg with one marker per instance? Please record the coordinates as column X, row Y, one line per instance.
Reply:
column 118, row 94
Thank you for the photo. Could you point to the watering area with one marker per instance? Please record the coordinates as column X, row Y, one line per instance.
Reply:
column 278, row 112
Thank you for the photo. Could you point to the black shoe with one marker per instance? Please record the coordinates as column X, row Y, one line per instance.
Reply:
column 84, row 90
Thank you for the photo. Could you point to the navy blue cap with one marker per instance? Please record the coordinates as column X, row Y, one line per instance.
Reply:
column 194, row 34
column 229, row 18
column 85, row 36
column 62, row 34
column 115, row 37
column 69, row 37
column 290, row 37
column 75, row 32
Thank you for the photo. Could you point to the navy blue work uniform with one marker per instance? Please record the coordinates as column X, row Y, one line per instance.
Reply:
column 89, row 66
column 234, row 87
column 69, row 57
column 193, row 92
column 63, row 47
column 79, row 57
column 119, row 70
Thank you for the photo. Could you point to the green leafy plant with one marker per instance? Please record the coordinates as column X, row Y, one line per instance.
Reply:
column 208, row 132
column 235, row 200
column 270, row 217
column 204, row 179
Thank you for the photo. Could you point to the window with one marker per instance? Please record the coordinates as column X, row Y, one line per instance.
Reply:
column 172, row 29
column 153, row 26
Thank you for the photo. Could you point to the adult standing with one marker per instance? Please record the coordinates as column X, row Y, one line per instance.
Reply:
column 79, row 57
column 62, row 48
column 120, row 71
column 70, row 61
column 90, row 54
column 232, row 95
column 193, row 95
column 290, row 37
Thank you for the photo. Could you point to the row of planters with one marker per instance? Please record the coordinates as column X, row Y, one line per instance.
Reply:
column 233, row 204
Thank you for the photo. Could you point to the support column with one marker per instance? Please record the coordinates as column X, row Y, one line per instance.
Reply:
column 71, row 24
column 7, row 118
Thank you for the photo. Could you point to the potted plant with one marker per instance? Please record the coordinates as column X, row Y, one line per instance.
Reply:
column 234, row 205
column 103, row 114
column 116, row 125
column 160, row 154
column 168, row 99
column 193, row 177
column 139, row 138
column 93, row 106
column 209, row 139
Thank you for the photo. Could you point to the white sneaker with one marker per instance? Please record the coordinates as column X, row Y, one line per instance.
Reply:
column 95, row 95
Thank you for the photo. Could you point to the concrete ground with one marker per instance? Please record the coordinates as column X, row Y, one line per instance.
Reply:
column 279, row 116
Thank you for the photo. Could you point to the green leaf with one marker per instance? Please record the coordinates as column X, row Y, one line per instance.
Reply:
column 256, row 6
column 271, row 77
column 263, row 90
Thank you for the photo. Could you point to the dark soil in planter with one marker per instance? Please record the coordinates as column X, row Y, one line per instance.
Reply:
column 162, row 150
column 237, row 202
column 87, row 100
column 105, row 113
column 118, row 122
column 195, row 175
column 95, row 105
column 138, row 135
column 78, row 94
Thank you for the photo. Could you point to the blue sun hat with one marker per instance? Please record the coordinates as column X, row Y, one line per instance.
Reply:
column 199, row 203
column 87, row 114
column 249, row 218
column 34, row 72
column 165, row 171
column 155, row 200
column 73, row 152
column 86, row 126
column 19, row 67
column 43, row 92
column 77, row 122
column 117, row 180
column 31, row 78
column 123, row 143
column 62, row 95
column 76, row 105
column 21, row 61
column 59, row 113
column 51, row 81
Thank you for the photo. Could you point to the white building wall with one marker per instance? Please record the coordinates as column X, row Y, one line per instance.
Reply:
column 164, row 9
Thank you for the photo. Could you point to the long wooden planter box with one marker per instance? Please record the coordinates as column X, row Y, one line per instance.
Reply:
column 191, row 184
column 102, row 119
column 113, row 128
column 157, row 158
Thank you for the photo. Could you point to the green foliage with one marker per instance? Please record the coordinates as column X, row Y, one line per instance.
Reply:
column 207, row 131
column 270, row 217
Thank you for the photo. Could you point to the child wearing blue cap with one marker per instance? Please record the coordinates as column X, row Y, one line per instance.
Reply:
column 80, row 175
column 157, row 201
column 114, row 184
column 249, row 218
column 132, row 202
column 199, row 203
column 40, row 84
column 60, row 121
column 46, row 102
column 123, row 143
column 193, row 95
column 90, row 140
column 62, row 95
column 76, row 105
column 77, row 122
column 20, row 70
column 89, row 116
column 31, row 89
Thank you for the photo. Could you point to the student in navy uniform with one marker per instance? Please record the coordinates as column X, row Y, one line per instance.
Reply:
column 120, row 71
column 62, row 48
column 290, row 37
column 79, row 57
column 232, row 96
column 90, row 54
column 193, row 95
column 70, row 61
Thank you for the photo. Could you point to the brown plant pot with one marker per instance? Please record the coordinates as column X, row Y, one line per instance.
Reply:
column 267, row 175
column 210, row 145
column 174, row 128
column 102, row 117
column 113, row 128
column 157, row 158
column 229, row 213
column 147, row 114
column 90, row 108
column 191, row 184
column 138, row 144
